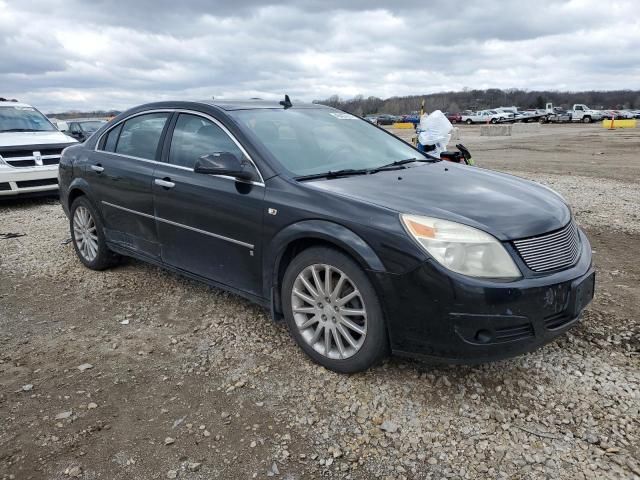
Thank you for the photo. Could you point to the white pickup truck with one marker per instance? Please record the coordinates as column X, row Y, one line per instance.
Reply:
column 579, row 113
column 487, row 116
column 30, row 149
column 582, row 113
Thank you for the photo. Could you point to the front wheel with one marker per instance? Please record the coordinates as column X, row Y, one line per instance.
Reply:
column 333, row 311
column 494, row 121
column 88, row 237
column 586, row 120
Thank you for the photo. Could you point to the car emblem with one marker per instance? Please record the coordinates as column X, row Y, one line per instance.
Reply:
column 38, row 158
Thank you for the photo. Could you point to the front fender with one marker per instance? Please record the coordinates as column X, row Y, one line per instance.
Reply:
column 330, row 232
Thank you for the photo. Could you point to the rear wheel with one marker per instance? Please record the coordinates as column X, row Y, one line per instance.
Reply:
column 468, row 122
column 333, row 311
column 88, row 237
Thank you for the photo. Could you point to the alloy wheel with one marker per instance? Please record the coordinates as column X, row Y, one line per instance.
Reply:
column 85, row 233
column 329, row 311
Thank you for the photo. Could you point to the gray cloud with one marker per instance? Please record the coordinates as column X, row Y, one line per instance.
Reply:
column 115, row 54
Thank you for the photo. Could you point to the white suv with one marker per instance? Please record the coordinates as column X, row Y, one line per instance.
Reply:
column 30, row 149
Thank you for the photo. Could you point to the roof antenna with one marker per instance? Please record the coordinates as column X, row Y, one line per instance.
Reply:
column 286, row 103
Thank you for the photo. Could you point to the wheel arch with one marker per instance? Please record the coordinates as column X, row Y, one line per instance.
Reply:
column 77, row 188
column 311, row 233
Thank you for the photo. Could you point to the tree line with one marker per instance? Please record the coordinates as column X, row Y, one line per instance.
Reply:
column 469, row 99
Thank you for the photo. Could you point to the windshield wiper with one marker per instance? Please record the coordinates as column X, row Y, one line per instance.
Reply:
column 398, row 163
column 23, row 130
column 345, row 172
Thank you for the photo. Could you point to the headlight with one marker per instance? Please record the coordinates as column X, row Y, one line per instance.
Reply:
column 461, row 248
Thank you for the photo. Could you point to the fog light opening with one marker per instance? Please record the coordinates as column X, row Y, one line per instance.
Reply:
column 483, row 336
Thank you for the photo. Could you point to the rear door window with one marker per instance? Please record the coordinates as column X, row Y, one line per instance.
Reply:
column 140, row 135
column 112, row 139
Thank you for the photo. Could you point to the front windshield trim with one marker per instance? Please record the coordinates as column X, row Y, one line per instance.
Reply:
column 392, row 147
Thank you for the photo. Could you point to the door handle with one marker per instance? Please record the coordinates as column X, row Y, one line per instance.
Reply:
column 97, row 168
column 164, row 183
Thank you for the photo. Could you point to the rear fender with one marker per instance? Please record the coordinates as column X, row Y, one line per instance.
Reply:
column 78, row 186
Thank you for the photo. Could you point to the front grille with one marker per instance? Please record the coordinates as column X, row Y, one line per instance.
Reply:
column 21, row 163
column 37, row 183
column 512, row 333
column 26, row 158
column 50, row 151
column 550, row 251
column 16, row 153
column 4, row 186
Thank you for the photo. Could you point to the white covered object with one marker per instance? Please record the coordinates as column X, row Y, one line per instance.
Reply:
column 435, row 129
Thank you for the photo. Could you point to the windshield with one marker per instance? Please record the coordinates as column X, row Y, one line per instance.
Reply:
column 23, row 119
column 312, row 141
column 92, row 126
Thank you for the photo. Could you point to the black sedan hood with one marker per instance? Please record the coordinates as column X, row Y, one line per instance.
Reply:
column 508, row 207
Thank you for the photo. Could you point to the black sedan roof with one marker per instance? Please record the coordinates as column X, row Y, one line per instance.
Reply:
column 256, row 104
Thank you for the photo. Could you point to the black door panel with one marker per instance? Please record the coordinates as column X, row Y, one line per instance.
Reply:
column 122, row 180
column 123, row 189
column 210, row 226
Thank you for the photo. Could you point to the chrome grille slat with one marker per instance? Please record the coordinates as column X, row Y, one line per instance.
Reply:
column 536, row 242
column 552, row 251
column 541, row 243
column 569, row 252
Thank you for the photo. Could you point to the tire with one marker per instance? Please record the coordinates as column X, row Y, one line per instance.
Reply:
column 494, row 121
column 586, row 120
column 87, row 236
column 468, row 122
column 314, row 323
column 453, row 122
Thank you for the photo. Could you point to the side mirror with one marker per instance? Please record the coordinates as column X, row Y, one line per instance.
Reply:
column 222, row 163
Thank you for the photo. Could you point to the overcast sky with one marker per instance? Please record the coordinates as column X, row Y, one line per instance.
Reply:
column 115, row 54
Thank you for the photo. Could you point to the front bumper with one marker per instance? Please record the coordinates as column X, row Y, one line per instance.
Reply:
column 29, row 180
column 437, row 314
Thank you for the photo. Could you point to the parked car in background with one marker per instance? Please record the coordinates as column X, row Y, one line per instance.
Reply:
column 482, row 116
column 61, row 125
column 582, row 113
column 372, row 119
column 617, row 114
column 503, row 116
column 454, row 117
column 411, row 118
column 361, row 242
column 30, row 149
column 81, row 129
column 385, row 119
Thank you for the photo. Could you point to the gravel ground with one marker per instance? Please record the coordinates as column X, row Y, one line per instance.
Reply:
column 136, row 373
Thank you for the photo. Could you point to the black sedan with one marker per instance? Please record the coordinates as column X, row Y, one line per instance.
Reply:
column 83, row 128
column 364, row 245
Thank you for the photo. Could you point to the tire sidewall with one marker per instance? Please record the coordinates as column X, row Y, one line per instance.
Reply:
column 376, row 344
column 104, row 257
